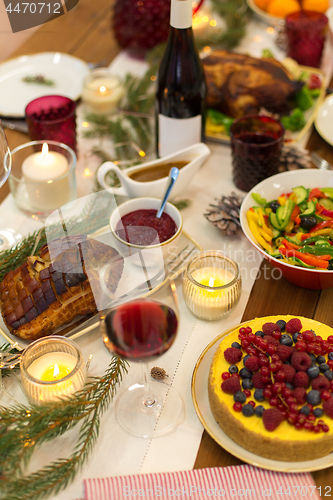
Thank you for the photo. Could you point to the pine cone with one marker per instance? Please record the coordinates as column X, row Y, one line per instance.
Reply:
column 158, row 373
column 281, row 36
column 225, row 215
column 294, row 157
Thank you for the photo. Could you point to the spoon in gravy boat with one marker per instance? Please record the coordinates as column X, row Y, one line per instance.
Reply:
column 173, row 175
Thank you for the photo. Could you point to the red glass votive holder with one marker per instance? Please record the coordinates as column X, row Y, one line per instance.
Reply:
column 52, row 117
column 306, row 34
column 256, row 143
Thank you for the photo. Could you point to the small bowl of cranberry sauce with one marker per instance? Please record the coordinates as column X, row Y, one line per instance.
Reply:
column 139, row 233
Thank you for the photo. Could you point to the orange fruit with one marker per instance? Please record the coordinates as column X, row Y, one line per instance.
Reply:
column 281, row 8
column 262, row 4
column 316, row 5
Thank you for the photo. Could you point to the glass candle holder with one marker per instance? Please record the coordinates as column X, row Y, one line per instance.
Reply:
column 212, row 285
column 102, row 91
column 52, row 117
column 52, row 368
column 42, row 181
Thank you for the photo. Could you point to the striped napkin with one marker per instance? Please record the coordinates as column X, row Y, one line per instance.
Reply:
column 227, row 483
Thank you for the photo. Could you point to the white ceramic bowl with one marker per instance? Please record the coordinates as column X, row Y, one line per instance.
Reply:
column 152, row 255
column 329, row 14
column 195, row 156
column 264, row 16
column 270, row 189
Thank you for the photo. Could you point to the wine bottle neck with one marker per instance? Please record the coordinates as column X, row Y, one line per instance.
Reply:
column 181, row 14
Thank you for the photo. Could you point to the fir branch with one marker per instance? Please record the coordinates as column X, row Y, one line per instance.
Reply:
column 23, row 428
column 236, row 15
column 5, row 349
column 40, row 79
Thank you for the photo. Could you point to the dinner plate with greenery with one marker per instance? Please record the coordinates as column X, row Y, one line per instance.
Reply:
column 218, row 125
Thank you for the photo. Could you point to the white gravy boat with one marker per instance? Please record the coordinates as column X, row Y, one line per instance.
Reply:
column 195, row 156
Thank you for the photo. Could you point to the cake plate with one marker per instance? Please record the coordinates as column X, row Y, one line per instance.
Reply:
column 199, row 389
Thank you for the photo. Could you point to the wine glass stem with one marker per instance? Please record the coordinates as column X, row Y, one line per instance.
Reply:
column 149, row 400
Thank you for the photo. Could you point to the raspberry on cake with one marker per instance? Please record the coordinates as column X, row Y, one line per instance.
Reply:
column 301, row 379
column 288, row 381
column 231, row 385
column 233, row 355
column 294, row 325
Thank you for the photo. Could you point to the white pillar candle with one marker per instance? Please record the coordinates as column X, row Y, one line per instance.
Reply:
column 101, row 93
column 46, row 180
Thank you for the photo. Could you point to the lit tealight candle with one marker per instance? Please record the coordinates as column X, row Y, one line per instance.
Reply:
column 212, row 278
column 211, row 292
column 52, row 366
column 44, row 175
column 101, row 92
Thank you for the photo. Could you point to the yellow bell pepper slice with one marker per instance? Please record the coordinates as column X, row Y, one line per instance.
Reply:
column 263, row 223
column 325, row 230
column 265, row 235
column 254, row 230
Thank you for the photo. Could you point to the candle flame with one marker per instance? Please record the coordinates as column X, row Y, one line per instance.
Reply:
column 211, row 281
column 56, row 370
column 102, row 88
column 45, row 149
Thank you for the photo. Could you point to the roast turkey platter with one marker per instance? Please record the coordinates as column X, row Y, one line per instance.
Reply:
column 239, row 85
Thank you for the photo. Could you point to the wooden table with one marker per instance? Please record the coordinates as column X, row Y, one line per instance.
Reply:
column 85, row 32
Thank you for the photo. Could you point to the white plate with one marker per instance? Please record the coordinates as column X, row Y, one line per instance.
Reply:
column 324, row 119
column 132, row 277
column 202, row 408
column 66, row 71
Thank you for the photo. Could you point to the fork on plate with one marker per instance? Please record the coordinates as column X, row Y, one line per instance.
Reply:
column 319, row 162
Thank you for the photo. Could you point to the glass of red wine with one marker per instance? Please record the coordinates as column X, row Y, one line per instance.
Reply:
column 141, row 330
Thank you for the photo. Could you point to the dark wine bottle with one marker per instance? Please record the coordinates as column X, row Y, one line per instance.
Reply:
column 181, row 86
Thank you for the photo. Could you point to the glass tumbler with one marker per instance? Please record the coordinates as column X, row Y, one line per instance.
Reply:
column 256, row 143
column 52, row 117
column 212, row 285
column 306, row 34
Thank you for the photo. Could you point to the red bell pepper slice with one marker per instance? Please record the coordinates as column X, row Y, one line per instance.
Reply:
column 321, row 225
column 295, row 213
column 316, row 193
column 327, row 213
column 307, row 258
column 291, row 246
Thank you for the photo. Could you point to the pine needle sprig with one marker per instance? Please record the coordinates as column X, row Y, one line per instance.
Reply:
column 5, row 349
column 22, row 428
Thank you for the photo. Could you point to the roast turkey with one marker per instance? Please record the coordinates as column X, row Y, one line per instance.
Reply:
column 239, row 84
column 50, row 290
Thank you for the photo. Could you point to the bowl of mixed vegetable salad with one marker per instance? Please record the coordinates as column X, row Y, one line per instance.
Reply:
column 288, row 217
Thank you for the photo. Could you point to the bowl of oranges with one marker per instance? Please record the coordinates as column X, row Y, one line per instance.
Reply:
column 273, row 11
